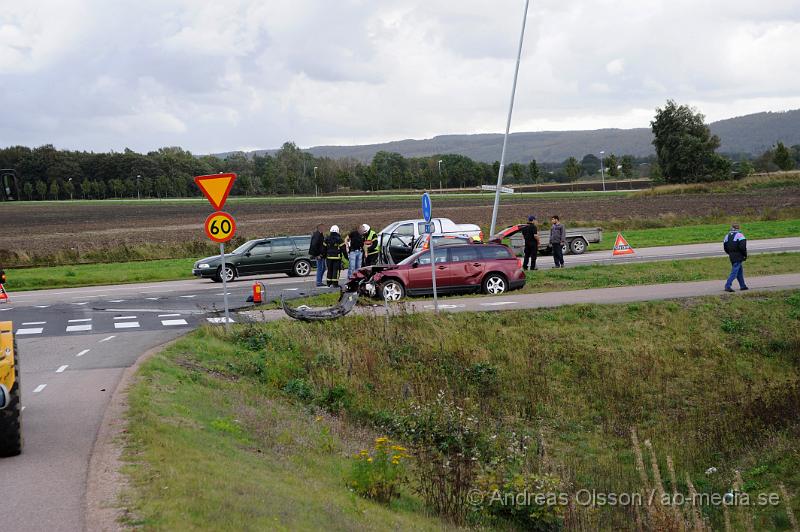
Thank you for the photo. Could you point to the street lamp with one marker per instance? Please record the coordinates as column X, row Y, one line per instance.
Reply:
column 440, row 176
column 602, row 171
column 138, row 195
column 70, row 194
column 316, row 191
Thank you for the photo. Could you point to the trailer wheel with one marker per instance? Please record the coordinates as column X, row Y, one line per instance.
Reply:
column 11, row 416
column 578, row 246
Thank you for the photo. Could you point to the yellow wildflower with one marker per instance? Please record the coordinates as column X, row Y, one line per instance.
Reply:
column 398, row 448
column 369, row 459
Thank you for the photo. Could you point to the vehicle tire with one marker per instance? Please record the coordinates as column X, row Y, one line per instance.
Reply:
column 564, row 249
column 578, row 246
column 11, row 417
column 494, row 283
column 392, row 290
column 230, row 273
column 301, row 268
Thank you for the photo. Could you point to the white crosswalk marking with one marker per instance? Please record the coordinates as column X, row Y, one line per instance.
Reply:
column 168, row 323
column 168, row 315
column 5, row 309
column 32, row 330
column 82, row 353
column 106, row 339
column 126, row 325
column 220, row 320
column 152, row 298
column 79, row 320
column 34, row 323
column 41, row 306
column 39, row 388
column 188, row 297
column 79, row 328
column 117, row 301
column 62, row 368
column 124, row 317
column 83, row 303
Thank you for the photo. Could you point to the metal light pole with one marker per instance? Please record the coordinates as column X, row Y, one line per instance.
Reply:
column 70, row 194
column 138, row 195
column 602, row 171
column 316, row 191
column 508, row 124
column 440, row 176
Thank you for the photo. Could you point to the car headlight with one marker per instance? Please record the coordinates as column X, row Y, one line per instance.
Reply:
column 204, row 266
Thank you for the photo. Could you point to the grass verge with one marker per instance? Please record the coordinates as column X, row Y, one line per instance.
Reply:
column 225, row 432
column 753, row 182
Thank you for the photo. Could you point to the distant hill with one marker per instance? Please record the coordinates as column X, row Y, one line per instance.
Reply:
column 751, row 134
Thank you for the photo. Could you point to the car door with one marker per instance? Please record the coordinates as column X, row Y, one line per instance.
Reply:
column 255, row 259
column 419, row 277
column 465, row 267
column 401, row 242
column 283, row 254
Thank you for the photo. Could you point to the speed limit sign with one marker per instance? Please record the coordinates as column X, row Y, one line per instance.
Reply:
column 220, row 226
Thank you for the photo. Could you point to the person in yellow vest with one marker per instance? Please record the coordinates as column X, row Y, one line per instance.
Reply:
column 372, row 245
column 334, row 248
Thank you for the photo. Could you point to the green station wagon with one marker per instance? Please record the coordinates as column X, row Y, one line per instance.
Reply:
column 288, row 254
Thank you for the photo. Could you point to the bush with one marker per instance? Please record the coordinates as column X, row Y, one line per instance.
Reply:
column 378, row 474
column 300, row 389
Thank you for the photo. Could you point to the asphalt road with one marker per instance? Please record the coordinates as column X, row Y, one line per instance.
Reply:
column 75, row 344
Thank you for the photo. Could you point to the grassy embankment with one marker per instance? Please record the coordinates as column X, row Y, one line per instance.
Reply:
column 753, row 182
column 256, row 430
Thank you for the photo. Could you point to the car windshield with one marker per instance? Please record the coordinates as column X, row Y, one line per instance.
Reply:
column 244, row 247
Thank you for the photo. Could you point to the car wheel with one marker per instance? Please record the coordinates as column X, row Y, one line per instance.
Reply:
column 301, row 268
column 494, row 284
column 578, row 246
column 392, row 290
column 230, row 273
column 564, row 249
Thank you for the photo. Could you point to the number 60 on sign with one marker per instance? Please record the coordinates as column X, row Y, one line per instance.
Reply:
column 220, row 226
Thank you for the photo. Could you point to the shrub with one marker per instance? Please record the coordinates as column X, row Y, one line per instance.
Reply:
column 300, row 389
column 525, row 500
column 377, row 474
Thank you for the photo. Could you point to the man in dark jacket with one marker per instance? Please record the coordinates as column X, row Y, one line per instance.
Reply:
column 317, row 252
column 735, row 246
column 558, row 237
column 334, row 248
column 531, row 235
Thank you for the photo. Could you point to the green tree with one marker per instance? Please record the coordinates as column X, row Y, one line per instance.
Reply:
column 572, row 168
column 590, row 164
column 54, row 190
column 41, row 189
column 27, row 189
column 612, row 165
column 782, row 157
column 533, row 171
column 69, row 188
column 516, row 172
column 627, row 163
column 685, row 146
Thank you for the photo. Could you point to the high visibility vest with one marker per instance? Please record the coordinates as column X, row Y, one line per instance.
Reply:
column 375, row 244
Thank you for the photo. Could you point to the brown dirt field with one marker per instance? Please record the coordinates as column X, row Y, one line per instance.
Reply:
column 52, row 227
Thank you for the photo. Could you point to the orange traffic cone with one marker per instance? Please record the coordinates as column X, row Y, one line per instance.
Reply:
column 3, row 294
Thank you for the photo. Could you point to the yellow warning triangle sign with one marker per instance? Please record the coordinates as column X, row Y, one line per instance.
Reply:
column 621, row 246
column 216, row 188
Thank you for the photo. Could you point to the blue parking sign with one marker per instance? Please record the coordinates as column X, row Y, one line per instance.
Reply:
column 426, row 207
column 428, row 228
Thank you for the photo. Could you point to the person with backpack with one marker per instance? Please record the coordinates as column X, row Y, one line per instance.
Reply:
column 735, row 245
column 334, row 247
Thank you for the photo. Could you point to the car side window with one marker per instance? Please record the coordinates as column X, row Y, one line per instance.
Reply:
column 425, row 258
column 495, row 252
column 463, row 254
column 405, row 230
column 282, row 245
column 261, row 249
column 302, row 243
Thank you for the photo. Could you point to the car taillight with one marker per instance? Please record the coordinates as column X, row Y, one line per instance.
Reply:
column 480, row 235
column 519, row 263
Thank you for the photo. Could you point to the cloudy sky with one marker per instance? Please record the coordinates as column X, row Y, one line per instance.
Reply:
column 244, row 74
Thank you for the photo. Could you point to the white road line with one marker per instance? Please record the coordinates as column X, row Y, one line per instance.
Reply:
column 41, row 306
column 498, row 303
column 5, row 309
column 39, row 388
column 106, row 339
column 32, row 330
column 34, row 323
column 79, row 320
column 78, row 328
column 222, row 294
column 444, row 306
column 83, row 303
column 289, row 289
column 189, row 297
column 62, row 368
column 152, row 298
column 117, row 301
column 168, row 315
column 124, row 317
column 173, row 322
column 220, row 320
column 82, row 353
column 127, row 325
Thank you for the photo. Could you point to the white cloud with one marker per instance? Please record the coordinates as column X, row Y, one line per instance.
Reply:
column 213, row 76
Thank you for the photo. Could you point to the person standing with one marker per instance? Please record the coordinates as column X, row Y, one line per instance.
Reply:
column 372, row 245
column 356, row 251
column 735, row 245
column 531, row 234
column 558, row 237
column 317, row 252
column 334, row 247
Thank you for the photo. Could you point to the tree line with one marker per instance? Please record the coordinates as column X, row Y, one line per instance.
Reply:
column 685, row 152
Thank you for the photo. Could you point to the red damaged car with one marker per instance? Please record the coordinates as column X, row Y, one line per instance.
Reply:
column 491, row 268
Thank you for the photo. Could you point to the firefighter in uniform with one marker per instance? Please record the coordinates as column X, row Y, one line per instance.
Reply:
column 372, row 245
column 334, row 248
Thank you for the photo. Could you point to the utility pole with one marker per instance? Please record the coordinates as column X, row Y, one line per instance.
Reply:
column 602, row 171
column 508, row 124
column 138, row 195
column 440, row 176
column 316, row 189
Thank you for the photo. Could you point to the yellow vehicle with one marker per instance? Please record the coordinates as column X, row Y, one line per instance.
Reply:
column 10, row 408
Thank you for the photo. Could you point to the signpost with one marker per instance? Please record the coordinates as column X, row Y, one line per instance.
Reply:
column 429, row 228
column 219, row 226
